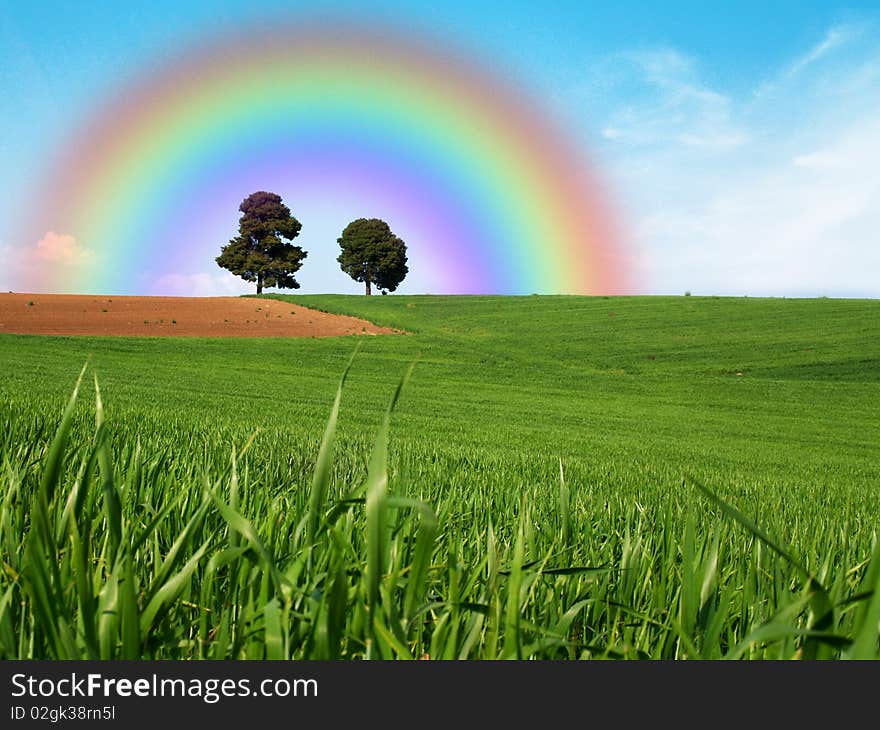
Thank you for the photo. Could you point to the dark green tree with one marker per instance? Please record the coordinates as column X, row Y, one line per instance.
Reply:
column 371, row 253
column 262, row 251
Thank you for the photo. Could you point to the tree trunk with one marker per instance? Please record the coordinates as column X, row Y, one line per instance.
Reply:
column 369, row 291
column 259, row 283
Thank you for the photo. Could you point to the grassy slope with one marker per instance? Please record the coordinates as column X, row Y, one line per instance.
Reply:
column 637, row 384
column 630, row 392
column 654, row 377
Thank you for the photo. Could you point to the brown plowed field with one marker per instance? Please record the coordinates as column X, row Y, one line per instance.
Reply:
column 69, row 314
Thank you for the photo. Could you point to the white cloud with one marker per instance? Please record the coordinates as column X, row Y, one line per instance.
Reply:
column 200, row 284
column 668, row 101
column 834, row 38
column 777, row 230
column 769, row 192
column 60, row 248
column 55, row 257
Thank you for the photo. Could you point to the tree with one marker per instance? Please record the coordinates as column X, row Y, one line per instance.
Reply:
column 371, row 253
column 262, row 251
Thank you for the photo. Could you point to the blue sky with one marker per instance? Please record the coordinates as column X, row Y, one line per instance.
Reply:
column 740, row 143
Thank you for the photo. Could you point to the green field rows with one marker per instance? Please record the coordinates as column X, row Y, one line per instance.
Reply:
column 539, row 497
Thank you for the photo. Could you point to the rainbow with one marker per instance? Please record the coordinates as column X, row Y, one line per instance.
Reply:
column 489, row 195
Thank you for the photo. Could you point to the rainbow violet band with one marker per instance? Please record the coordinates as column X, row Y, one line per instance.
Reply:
column 489, row 195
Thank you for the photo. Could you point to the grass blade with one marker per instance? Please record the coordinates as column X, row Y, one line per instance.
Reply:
column 321, row 474
column 821, row 605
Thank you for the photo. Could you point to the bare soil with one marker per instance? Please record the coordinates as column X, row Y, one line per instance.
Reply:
column 74, row 314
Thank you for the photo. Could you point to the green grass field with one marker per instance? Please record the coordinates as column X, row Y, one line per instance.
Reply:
column 194, row 518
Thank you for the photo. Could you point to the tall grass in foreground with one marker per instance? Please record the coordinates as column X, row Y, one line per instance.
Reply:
column 133, row 550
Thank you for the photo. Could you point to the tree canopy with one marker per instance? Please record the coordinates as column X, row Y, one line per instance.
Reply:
column 371, row 253
column 262, row 251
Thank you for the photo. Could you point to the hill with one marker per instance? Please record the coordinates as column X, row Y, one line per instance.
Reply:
column 772, row 403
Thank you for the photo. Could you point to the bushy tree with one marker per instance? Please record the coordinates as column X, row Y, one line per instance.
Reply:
column 371, row 253
column 262, row 251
